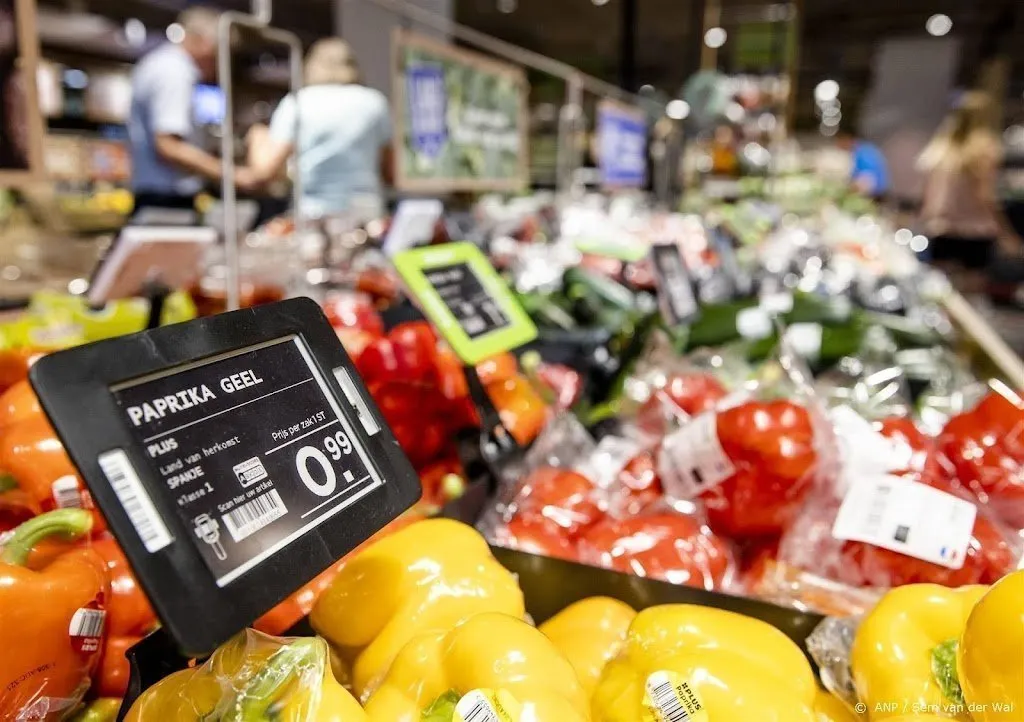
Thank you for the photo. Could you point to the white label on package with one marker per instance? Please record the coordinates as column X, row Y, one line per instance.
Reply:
column 412, row 224
column 865, row 450
column 692, row 459
column 907, row 517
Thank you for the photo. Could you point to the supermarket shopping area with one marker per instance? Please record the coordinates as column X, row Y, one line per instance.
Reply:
column 469, row 384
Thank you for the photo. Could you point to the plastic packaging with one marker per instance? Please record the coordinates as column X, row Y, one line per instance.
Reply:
column 248, row 677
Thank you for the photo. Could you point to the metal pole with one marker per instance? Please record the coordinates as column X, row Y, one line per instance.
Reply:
column 568, row 124
column 229, row 197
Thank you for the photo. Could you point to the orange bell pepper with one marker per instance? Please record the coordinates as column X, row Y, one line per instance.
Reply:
column 14, row 365
column 498, row 368
column 18, row 403
column 129, row 618
column 33, row 460
column 522, row 410
column 53, row 619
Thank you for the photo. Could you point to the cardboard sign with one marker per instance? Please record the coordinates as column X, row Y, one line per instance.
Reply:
column 676, row 294
column 459, row 290
column 234, row 457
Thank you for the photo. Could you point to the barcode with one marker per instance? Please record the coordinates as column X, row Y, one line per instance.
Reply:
column 481, row 711
column 66, row 494
column 668, row 703
column 134, row 499
column 876, row 514
column 252, row 516
column 87, row 623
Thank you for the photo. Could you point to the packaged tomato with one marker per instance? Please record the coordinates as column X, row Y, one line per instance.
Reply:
column 893, row 518
column 985, row 447
column 660, row 543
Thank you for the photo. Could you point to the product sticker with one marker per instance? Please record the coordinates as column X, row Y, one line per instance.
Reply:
column 692, row 459
column 864, row 450
column 86, row 628
column 486, row 705
column 670, row 698
column 608, row 460
column 66, row 493
column 804, row 339
column 907, row 517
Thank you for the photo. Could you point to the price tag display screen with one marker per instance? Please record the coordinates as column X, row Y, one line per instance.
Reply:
column 250, row 448
column 675, row 288
column 464, row 295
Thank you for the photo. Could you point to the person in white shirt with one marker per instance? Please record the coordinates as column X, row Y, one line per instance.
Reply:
column 168, row 167
column 342, row 146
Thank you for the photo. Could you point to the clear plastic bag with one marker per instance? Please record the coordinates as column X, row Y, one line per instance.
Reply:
column 248, row 677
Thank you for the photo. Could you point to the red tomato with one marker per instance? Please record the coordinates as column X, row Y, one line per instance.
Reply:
column 639, row 484
column 537, row 535
column 667, row 546
column 421, row 441
column 450, row 373
column 695, row 393
column 986, row 448
column 771, row 445
column 561, row 496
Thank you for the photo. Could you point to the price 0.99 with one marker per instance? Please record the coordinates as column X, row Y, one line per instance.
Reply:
column 325, row 481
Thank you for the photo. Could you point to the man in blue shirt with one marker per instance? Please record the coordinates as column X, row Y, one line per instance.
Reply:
column 168, row 167
column 870, row 173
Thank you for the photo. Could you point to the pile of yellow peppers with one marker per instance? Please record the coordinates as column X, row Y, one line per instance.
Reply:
column 426, row 626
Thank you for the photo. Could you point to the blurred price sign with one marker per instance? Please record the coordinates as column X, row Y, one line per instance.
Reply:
column 459, row 290
column 676, row 295
column 234, row 457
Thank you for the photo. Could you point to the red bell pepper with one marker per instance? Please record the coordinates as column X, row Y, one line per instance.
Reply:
column 537, row 535
column 564, row 497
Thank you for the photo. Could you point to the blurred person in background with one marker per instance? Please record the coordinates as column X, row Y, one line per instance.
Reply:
column 168, row 167
column 343, row 146
column 869, row 174
column 961, row 209
column 724, row 158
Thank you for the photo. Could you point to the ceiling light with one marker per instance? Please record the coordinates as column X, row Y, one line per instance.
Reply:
column 175, row 33
column 918, row 244
column 735, row 112
column 715, row 37
column 135, row 32
column 677, row 109
column 600, row 2
column 647, row 88
column 507, row 6
column 938, row 25
column 826, row 91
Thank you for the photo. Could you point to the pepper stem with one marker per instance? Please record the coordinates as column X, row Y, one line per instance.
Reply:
column 944, row 671
column 7, row 483
column 265, row 689
column 68, row 524
column 441, row 709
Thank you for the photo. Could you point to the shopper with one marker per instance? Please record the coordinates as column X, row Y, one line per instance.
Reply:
column 344, row 135
column 168, row 168
column 870, row 171
column 961, row 209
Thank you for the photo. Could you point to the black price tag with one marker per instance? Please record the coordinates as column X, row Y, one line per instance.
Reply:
column 724, row 245
column 462, row 292
column 234, row 457
column 675, row 287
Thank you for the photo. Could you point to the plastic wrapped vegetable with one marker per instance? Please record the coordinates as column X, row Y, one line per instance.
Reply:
column 53, row 619
column 489, row 662
column 430, row 575
column 682, row 660
column 589, row 633
column 752, row 465
column 986, row 448
column 661, row 544
column 253, row 677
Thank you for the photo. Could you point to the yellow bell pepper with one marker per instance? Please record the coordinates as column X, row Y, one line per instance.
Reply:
column 828, row 708
column 990, row 655
column 589, row 633
column 739, row 668
column 900, row 640
column 426, row 577
column 246, row 678
column 493, row 653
